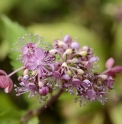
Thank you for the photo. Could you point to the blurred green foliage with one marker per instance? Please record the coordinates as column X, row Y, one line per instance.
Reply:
column 96, row 23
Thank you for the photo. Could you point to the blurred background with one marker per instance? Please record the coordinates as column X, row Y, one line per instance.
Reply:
column 96, row 23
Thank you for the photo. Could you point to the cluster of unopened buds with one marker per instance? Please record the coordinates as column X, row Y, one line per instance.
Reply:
column 65, row 65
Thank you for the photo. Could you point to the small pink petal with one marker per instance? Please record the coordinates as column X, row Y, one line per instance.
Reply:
column 116, row 69
column 3, row 81
column 87, row 64
column 10, row 86
column 113, row 71
column 93, row 59
column 32, row 86
column 109, row 63
column 2, row 72
column 24, row 50
column 56, row 74
column 39, row 53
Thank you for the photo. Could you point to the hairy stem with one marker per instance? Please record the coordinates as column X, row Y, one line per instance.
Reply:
column 31, row 113
column 16, row 71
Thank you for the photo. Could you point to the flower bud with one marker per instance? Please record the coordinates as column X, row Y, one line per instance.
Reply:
column 83, row 53
column 64, row 57
column 66, row 77
column 53, row 51
column 41, row 84
column 103, row 76
column 85, row 48
column 25, row 72
column 75, row 60
column 32, row 86
column 93, row 59
column 44, row 91
column 5, row 82
column 19, row 78
column 67, row 39
column 34, row 73
column 69, row 73
column 75, row 45
column 87, row 81
column 26, row 77
column 80, row 71
column 64, row 64
column 21, row 83
column 68, row 51
column 62, row 44
column 75, row 81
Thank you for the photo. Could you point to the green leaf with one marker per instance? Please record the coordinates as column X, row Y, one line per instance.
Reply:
column 4, row 49
column 12, row 31
column 11, row 116
column 5, row 102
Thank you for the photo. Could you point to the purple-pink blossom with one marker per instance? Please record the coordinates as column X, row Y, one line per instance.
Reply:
column 65, row 65
column 42, row 62
column 5, row 82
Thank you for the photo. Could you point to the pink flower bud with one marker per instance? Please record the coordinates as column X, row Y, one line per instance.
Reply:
column 75, row 45
column 66, row 77
column 67, row 39
column 5, row 82
column 44, row 91
column 93, row 59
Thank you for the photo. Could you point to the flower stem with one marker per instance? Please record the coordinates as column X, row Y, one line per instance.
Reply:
column 31, row 113
column 16, row 71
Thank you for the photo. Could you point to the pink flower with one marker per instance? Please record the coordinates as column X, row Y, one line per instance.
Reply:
column 112, row 71
column 5, row 82
column 28, row 51
column 41, row 62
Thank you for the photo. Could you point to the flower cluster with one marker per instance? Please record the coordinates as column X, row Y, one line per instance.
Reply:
column 65, row 66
